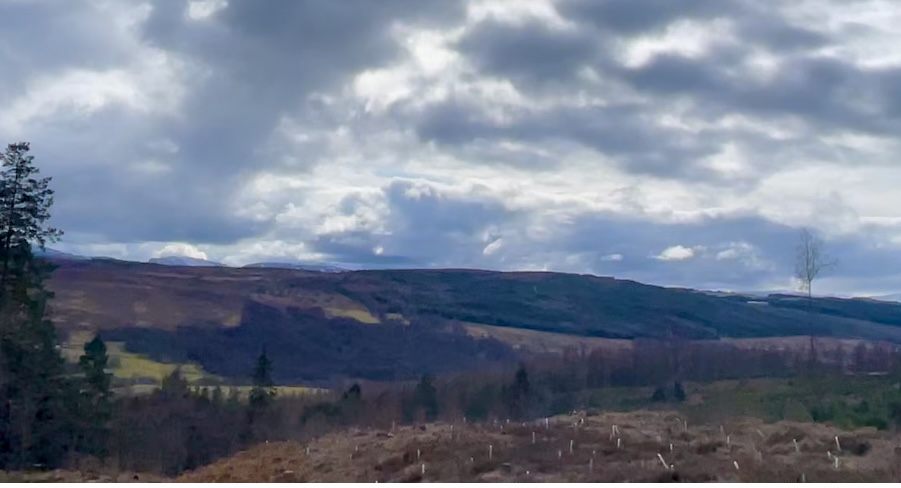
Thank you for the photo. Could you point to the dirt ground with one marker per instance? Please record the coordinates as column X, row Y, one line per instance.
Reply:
column 70, row 476
column 609, row 447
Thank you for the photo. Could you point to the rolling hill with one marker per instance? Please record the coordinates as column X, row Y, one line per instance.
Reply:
column 183, row 261
column 303, row 266
column 389, row 324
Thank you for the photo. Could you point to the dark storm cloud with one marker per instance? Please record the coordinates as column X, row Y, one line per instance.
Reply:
column 250, row 64
column 535, row 57
column 533, row 53
column 257, row 63
column 823, row 93
column 627, row 133
column 278, row 52
column 631, row 17
column 781, row 36
column 756, row 22
column 264, row 59
column 44, row 36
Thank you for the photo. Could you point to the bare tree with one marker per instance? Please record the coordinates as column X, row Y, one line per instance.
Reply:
column 810, row 260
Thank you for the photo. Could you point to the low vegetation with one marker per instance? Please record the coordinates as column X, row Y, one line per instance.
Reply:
column 641, row 446
column 131, row 369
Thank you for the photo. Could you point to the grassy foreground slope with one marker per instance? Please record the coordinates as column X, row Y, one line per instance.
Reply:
column 646, row 446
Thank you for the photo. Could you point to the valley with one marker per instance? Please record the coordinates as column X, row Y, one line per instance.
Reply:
column 397, row 324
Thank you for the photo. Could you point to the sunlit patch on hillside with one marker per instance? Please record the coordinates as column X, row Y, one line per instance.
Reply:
column 397, row 318
column 333, row 305
column 541, row 342
column 133, row 367
column 358, row 314
column 130, row 366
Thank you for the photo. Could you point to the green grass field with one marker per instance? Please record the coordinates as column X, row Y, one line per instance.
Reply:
column 134, row 368
column 136, row 374
column 845, row 401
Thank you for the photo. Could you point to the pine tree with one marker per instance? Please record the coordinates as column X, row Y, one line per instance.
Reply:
column 516, row 395
column 174, row 386
column 217, row 398
column 35, row 398
column 425, row 397
column 96, row 398
column 263, row 390
column 25, row 202
column 353, row 394
column 233, row 400
column 93, row 365
column 678, row 392
column 260, row 398
column 352, row 405
column 521, row 384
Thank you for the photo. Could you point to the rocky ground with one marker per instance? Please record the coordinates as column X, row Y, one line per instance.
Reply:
column 636, row 446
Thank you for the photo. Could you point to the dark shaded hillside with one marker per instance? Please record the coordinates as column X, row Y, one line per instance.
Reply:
column 574, row 304
column 111, row 294
column 594, row 306
column 385, row 324
column 309, row 347
column 860, row 309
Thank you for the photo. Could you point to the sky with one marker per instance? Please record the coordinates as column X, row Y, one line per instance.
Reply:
column 677, row 143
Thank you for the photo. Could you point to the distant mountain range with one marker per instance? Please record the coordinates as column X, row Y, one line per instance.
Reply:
column 386, row 324
column 304, row 266
column 894, row 297
column 49, row 253
column 183, row 261
column 54, row 254
column 298, row 265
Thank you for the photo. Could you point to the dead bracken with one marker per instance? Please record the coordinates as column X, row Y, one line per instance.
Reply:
column 654, row 446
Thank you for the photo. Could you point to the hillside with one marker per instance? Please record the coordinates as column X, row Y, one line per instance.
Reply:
column 389, row 324
column 182, row 261
column 572, row 448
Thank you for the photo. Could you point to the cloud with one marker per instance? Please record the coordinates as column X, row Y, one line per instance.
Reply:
column 493, row 246
column 569, row 135
column 180, row 249
column 531, row 53
column 676, row 253
column 735, row 251
column 630, row 17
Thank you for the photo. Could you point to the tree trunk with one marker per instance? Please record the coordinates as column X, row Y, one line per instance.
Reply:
column 9, row 230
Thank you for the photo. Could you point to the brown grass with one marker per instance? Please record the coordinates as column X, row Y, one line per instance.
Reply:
column 543, row 342
column 100, row 296
column 459, row 453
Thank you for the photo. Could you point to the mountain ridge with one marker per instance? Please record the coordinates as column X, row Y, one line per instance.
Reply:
column 351, row 323
column 300, row 265
column 560, row 302
column 183, row 261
